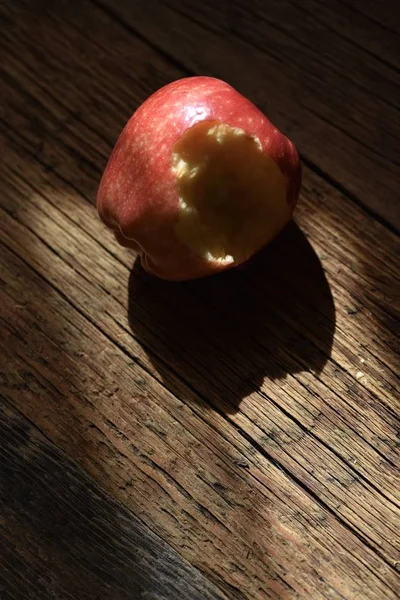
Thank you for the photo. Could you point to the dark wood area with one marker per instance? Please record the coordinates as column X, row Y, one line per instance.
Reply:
column 90, row 546
column 235, row 437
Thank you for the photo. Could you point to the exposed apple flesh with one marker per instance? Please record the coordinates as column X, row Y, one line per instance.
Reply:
column 223, row 181
column 199, row 180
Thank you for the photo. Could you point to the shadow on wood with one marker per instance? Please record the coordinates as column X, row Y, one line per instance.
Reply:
column 66, row 538
column 225, row 334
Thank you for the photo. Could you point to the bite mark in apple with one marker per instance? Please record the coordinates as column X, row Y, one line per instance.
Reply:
column 231, row 194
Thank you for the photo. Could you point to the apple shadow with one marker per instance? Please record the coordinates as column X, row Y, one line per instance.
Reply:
column 224, row 335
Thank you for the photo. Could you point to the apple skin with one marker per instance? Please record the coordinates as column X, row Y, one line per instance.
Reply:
column 138, row 196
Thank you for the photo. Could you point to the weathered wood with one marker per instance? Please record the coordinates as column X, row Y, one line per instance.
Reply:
column 63, row 537
column 250, row 419
column 112, row 427
column 386, row 13
column 349, row 22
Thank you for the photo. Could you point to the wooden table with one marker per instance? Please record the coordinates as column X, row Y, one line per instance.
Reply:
column 230, row 438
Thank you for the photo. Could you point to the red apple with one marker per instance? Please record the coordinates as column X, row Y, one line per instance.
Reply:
column 199, row 180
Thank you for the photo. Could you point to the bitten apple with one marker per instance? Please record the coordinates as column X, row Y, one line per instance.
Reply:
column 199, row 180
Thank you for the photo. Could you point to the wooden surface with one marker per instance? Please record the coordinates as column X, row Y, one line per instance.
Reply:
column 235, row 437
column 90, row 546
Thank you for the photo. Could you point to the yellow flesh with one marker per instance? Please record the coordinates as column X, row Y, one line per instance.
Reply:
column 232, row 197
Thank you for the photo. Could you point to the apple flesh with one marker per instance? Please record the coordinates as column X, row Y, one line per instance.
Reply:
column 199, row 180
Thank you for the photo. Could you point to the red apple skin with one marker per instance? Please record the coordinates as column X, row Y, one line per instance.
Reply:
column 138, row 197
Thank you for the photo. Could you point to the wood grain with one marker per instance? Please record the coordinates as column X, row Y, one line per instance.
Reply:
column 250, row 420
column 386, row 14
column 62, row 537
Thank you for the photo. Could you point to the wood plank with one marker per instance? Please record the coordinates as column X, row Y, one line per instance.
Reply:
column 62, row 536
column 299, row 456
column 93, row 417
column 314, row 39
column 348, row 21
column 385, row 13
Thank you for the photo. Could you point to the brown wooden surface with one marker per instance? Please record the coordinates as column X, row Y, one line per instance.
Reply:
column 90, row 546
column 235, row 437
